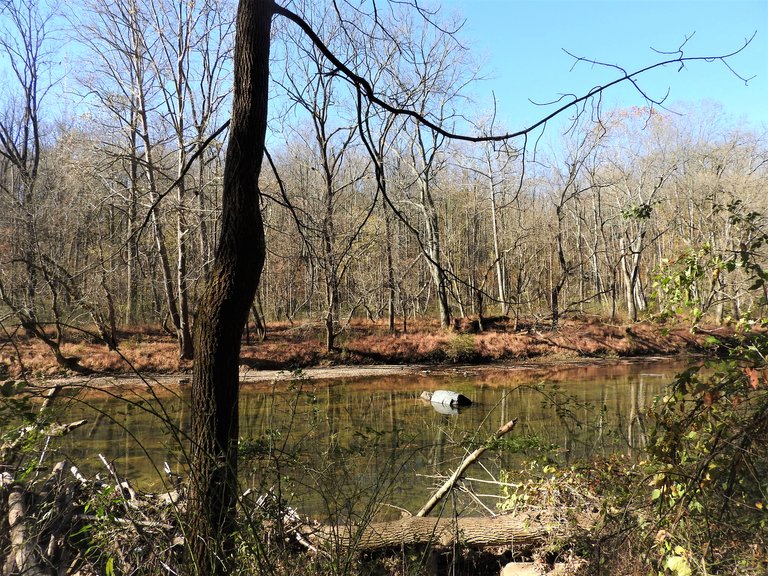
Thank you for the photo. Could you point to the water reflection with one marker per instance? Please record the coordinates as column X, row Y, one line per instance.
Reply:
column 344, row 446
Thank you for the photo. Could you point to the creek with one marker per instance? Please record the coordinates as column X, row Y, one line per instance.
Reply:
column 344, row 446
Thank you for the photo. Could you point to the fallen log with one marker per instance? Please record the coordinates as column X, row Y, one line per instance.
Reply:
column 22, row 558
column 522, row 531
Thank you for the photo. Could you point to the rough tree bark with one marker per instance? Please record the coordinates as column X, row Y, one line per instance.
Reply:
column 223, row 308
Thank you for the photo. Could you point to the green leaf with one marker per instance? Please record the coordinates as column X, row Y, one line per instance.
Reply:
column 679, row 566
column 109, row 569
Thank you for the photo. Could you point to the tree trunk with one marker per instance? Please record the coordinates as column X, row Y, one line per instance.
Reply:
column 259, row 319
column 183, row 333
column 630, row 272
column 499, row 265
column 390, row 273
column 433, row 255
column 138, row 49
column 131, row 241
column 202, row 222
column 224, row 305
column 564, row 270
column 556, row 306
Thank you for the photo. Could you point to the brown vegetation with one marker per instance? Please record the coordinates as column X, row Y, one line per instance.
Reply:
column 286, row 346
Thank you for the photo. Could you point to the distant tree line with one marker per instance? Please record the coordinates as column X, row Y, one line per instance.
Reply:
column 110, row 185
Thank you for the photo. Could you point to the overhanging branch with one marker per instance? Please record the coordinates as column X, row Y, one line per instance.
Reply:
column 366, row 88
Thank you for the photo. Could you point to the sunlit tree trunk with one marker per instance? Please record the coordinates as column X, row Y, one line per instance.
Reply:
column 500, row 276
column 131, row 241
column 391, row 283
column 433, row 252
column 183, row 332
column 138, row 55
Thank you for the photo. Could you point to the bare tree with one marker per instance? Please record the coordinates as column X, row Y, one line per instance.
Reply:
column 25, row 40
column 328, row 189
column 189, row 45
column 117, row 38
column 640, row 171
column 575, row 179
column 432, row 74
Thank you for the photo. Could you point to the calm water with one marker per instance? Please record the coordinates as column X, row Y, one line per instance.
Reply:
column 325, row 445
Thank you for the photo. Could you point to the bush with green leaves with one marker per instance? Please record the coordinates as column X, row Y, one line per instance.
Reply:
column 706, row 275
column 709, row 447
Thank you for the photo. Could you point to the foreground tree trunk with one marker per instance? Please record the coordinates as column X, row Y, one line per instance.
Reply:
column 223, row 308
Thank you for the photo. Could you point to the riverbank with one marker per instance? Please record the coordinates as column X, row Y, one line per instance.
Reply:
column 366, row 348
column 583, row 348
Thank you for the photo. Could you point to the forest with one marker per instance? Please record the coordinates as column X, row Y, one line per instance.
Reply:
column 112, row 177
column 205, row 167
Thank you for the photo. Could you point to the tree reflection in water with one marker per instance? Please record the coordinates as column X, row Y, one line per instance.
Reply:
column 332, row 447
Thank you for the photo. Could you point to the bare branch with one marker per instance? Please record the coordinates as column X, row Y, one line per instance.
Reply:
column 363, row 85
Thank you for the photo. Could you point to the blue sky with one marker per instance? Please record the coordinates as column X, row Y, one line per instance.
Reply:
column 522, row 43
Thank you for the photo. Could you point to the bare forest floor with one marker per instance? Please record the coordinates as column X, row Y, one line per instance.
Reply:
column 364, row 343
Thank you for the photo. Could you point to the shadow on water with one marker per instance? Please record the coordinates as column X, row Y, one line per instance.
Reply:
column 328, row 446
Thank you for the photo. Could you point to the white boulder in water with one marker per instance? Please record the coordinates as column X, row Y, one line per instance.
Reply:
column 447, row 398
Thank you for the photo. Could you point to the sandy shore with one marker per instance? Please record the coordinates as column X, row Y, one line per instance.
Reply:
column 515, row 371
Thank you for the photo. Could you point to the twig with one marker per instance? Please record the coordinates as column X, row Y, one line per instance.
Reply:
column 128, row 521
column 494, row 482
column 291, row 519
column 476, row 498
column 123, row 486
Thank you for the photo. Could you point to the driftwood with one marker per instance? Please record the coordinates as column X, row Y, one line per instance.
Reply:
column 519, row 531
column 50, row 396
column 446, row 487
column 50, row 529
column 22, row 558
column 39, row 520
column 288, row 522
column 10, row 450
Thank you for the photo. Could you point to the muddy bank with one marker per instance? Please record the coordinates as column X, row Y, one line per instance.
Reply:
column 367, row 349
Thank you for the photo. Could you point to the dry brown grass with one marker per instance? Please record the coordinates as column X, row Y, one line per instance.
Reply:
column 149, row 349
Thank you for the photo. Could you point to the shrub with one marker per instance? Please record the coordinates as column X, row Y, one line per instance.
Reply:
column 460, row 348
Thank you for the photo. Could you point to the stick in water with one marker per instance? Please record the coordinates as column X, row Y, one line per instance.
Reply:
column 445, row 488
